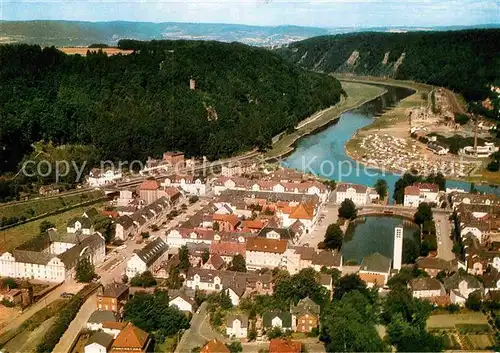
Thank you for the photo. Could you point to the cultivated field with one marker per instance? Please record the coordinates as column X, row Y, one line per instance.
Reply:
column 36, row 207
column 83, row 50
column 450, row 321
column 15, row 236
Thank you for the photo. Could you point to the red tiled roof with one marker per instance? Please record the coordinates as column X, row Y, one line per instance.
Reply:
column 427, row 186
column 230, row 218
column 228, row 249
column 149, row 184
column 214, row 346
column 253, row 224
column 130, row 337
column 266, row 245
column 172, row 191
column 412, row 190
column 303, row 211
column 284, row 346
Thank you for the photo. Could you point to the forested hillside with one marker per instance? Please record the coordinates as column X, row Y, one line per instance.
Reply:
column 465, row 61
column 131, row 107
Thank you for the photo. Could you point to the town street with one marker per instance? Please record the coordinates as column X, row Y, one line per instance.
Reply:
column 199, row 333
column 74, row 328
column 443, row 231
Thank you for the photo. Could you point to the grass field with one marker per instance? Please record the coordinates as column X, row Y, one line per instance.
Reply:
column 450, row 321
column 12, row 237
column 357, row 94
column 40, row 206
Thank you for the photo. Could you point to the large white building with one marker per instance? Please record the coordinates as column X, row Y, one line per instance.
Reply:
column 265, row 253
column 359, row 194
column 188, row 183
column 421, row 192
column 149, row 258
column 52, row 257
column 98, row 178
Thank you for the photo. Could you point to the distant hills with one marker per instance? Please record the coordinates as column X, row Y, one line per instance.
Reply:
column 79, row 33
column 466, row 61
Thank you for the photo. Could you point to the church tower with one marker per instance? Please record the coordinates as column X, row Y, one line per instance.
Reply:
column 398, row 247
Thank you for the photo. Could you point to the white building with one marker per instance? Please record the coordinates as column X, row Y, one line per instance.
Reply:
column 99, row 342
column 359, row 194
column 421, row 192
column 461, row 286
column 182, row 302
column 265, row 253
column 98, row 317
column 55, row 260
column 375, row 270
column 179, row 237
column 426, row 287
column 481, row 152
column 124, row 227
column 237, row 326
column 398, row 248
column 188, row 183
column 98, row 178
column 148, row 258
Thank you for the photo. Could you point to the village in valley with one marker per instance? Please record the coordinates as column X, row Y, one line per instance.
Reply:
column 244, row 259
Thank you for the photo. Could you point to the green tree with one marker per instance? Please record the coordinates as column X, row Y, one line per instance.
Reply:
column 334, row 237
column 349, row 325
column 205, row 256
column 9, row 282
column 152, row 313
column 423, row 214
column 234, row 347
column 85, row 271
column 407, row 179
column 238, row 264
column 349, row 283
column 45, row 225
column 184, row 258
column 473, row 301
column 381, row 188
column 347, row 209
column 144, row 280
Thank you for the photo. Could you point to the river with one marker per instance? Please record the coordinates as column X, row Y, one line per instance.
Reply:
column 324, row 153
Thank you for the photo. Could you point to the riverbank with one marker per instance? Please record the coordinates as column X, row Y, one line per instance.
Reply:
column 357, row 95
column 390, row 132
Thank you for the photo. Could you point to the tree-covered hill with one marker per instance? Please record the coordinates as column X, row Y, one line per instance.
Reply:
column 465, row 61
column 132, row 106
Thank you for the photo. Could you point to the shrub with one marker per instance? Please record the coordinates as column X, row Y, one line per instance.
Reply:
column 461, row 119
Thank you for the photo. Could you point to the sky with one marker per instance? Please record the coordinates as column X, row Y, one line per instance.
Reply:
column 314, row 13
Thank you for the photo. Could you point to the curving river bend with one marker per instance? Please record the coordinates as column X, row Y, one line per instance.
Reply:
column 324, row 153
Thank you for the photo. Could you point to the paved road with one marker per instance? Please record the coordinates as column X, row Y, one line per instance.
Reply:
column 76, row 325
column 199, row 333
column 443, row 231
column 328, row 215
column 70, row 287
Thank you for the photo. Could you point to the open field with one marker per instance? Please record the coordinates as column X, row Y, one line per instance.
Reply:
column 12, row 237
column 450, row 321
column 357, row 94
column 36, row 207
column 83, row 50
column 477, row 342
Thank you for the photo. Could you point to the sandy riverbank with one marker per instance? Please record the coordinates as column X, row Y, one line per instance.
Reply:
column 357, row 95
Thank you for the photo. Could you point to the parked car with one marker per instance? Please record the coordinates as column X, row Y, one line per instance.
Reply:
column 67, row 295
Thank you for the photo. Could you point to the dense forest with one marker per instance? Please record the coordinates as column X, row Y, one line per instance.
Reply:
column 465, row 61
column 129, row 107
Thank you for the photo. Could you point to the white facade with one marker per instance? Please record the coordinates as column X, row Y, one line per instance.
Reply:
column 236, row 329
column 53, row 271
column 474, row 231
column 258, row 259
column 235, row 299
column 359, row 198
column 176, row 240
column 197, row 283
column 427, row 293
column 398, row 248
column 195, row 187
column 95, row 348
column 411, row 200
column 181, row 303
column 97, row 179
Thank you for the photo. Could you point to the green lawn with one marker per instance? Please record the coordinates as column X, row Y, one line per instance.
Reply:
column 357, row 93
column 12, row 237
column 451, row 321
column 42, row 205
